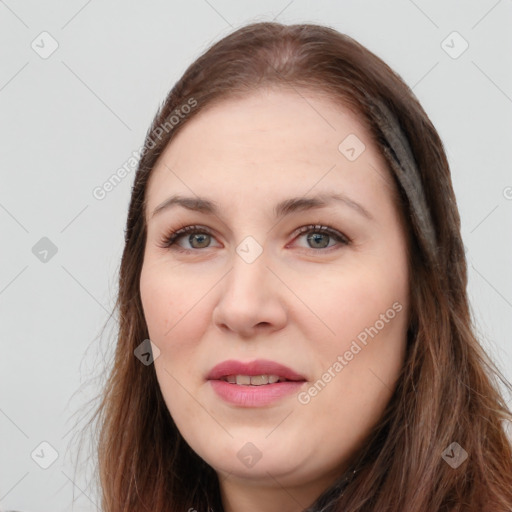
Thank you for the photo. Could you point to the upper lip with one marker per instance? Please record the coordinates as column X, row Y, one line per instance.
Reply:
column 252, row 368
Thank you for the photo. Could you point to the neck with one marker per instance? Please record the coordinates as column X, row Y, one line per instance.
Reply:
column 241, row 495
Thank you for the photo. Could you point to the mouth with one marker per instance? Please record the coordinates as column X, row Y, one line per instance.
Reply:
column 256, row 380
column 258, row 383
column 255, row 373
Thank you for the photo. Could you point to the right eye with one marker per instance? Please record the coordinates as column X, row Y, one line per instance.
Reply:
column 196, row 234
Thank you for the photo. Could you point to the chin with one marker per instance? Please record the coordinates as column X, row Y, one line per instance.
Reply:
column 249, row 463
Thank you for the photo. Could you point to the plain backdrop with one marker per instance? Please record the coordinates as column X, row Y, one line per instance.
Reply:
column 80, row 82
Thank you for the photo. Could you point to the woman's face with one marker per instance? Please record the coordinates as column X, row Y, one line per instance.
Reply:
column 246, row 285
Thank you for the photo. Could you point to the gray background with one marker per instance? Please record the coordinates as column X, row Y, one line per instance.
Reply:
column 70, row 120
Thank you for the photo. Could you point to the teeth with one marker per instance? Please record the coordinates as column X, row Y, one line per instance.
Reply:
column 243, row 379
column 256, row 380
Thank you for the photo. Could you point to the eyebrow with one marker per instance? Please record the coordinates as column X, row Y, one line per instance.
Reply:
column 283, row 208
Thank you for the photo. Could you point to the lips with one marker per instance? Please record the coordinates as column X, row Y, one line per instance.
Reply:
column 253, row 368
column 254, row 394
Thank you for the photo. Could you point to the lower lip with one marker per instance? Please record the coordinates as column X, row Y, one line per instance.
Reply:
column 254, row 396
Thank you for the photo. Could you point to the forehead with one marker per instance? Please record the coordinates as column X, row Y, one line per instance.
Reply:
column 283, row 118
column 271, row 138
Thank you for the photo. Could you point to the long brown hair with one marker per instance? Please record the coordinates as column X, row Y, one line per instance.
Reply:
column 448, row 390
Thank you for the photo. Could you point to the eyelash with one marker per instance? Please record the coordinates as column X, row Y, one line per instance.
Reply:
column 168, row 241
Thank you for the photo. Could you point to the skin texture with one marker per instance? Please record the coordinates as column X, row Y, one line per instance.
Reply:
column 299, row 303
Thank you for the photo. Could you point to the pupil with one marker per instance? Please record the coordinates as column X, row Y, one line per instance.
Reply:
column 315, row 238
column 200, row 238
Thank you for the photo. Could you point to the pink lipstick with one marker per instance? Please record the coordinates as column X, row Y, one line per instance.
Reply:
column 253, row 384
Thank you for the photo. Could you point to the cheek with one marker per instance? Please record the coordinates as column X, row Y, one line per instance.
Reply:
column 366, row 311
column 352, row 301
column 176, row 317
column 357, row 371
column 165, row 301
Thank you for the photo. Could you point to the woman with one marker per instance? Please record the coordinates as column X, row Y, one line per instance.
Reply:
column 293, row 252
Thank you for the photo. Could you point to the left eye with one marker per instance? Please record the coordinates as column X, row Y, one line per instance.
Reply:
column 316, row 234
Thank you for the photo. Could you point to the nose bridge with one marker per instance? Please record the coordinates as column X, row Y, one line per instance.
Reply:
column 249, row 276
column 249, row 296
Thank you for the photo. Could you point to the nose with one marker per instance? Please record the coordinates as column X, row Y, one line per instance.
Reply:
column 251, row 299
